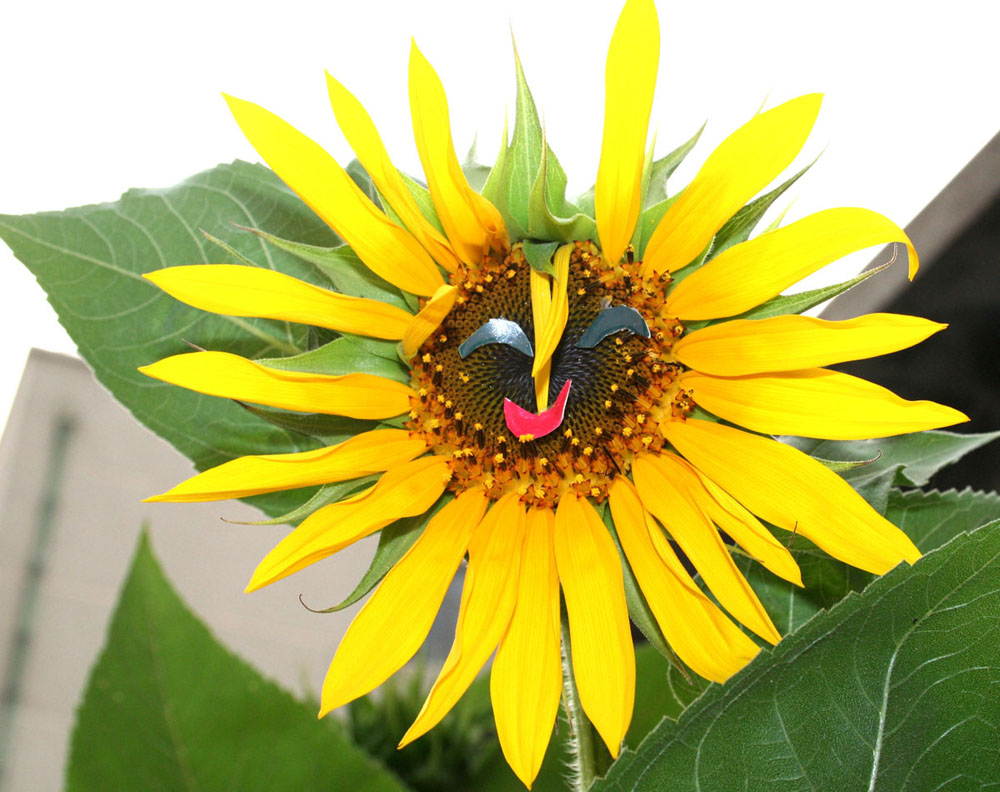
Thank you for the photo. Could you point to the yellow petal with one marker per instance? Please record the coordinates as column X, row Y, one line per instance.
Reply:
column 629, row 81
column 368, row 452
column 743, row 164
column 603, row 656
column 395, row 621
column 748, row 274
column 488, row 597
column 385, row 248
column 815, row 403
column 541, row 306
column 526, row 679
column 787, row 343
column 234, row 377
column 472, row 223
column 428, row 319
column 547, row 338
column 787, row 488
column 695, row 628
column 253, row 291
column 364, row 138
column 666, row 486
column 746, row 530
column 405, row 491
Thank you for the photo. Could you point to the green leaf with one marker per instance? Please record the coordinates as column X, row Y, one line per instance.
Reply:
column 742, row 224
column 393, row 542
column 90, row 260
column 891, row 689
column 915, row 457
column 341, row 266
column 347, row 355
column 168, row 707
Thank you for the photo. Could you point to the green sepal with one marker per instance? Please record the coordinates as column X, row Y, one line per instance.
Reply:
column 327, row 428
column 346, row 355
column 422, row 196
column 739, row 227
column 544, row 224
column 527, row 184
column 475, row 172
column 324, row 496
column 843, row 465
column 393, row 542
column 802, row 301
column 638, row 608
column 663, row 168
column 539, row 255
column 648, row 220
column 342, row 267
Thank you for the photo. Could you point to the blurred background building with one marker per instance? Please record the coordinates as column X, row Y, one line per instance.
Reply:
column 74, row 467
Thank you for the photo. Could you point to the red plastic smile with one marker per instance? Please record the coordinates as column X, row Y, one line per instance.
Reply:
column 521, row 422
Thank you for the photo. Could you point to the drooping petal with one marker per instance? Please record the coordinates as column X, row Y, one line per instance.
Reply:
column 815, row 403
column 364, row 138
column 388, row 250
column 491, row 583
column 788, row 343
column 395, row 621
column 428, row 319
column 472, row 223
column 526, row 679
column 368, row 452
column 666, row 486
column 547, row 337
column 748, row 274
column 787, row 488
column 695, row 628
column 541, row 305
column 235, row 377
column 742, row 165
column 253, row 291
column 603, row 656
column 746, row 530
column 629, row 81
column 404, row 491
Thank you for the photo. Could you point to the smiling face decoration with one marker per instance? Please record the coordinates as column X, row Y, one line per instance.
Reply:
column 552, row 382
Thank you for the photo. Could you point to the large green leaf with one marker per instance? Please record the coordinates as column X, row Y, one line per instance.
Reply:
column 892, row 689
column 90, row 259
column 168, row 707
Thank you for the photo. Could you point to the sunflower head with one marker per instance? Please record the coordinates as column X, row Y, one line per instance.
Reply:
column 576, row 387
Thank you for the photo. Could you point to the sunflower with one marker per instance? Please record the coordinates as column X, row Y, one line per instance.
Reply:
column 609, row 394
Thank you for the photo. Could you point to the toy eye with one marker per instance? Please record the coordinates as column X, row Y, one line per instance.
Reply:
column 498, row 331
column 611, row 320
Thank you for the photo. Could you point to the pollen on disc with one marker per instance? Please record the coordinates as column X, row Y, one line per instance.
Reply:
column 622, row 388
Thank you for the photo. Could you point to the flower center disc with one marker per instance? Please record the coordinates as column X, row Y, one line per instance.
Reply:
column 622, row 389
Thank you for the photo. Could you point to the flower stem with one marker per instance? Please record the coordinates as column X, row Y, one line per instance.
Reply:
column 588, row 756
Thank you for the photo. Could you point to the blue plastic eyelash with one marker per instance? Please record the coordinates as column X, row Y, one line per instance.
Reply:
column 498, row 331
column 611, row 320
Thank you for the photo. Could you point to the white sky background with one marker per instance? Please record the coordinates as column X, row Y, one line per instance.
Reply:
column 98, row 97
